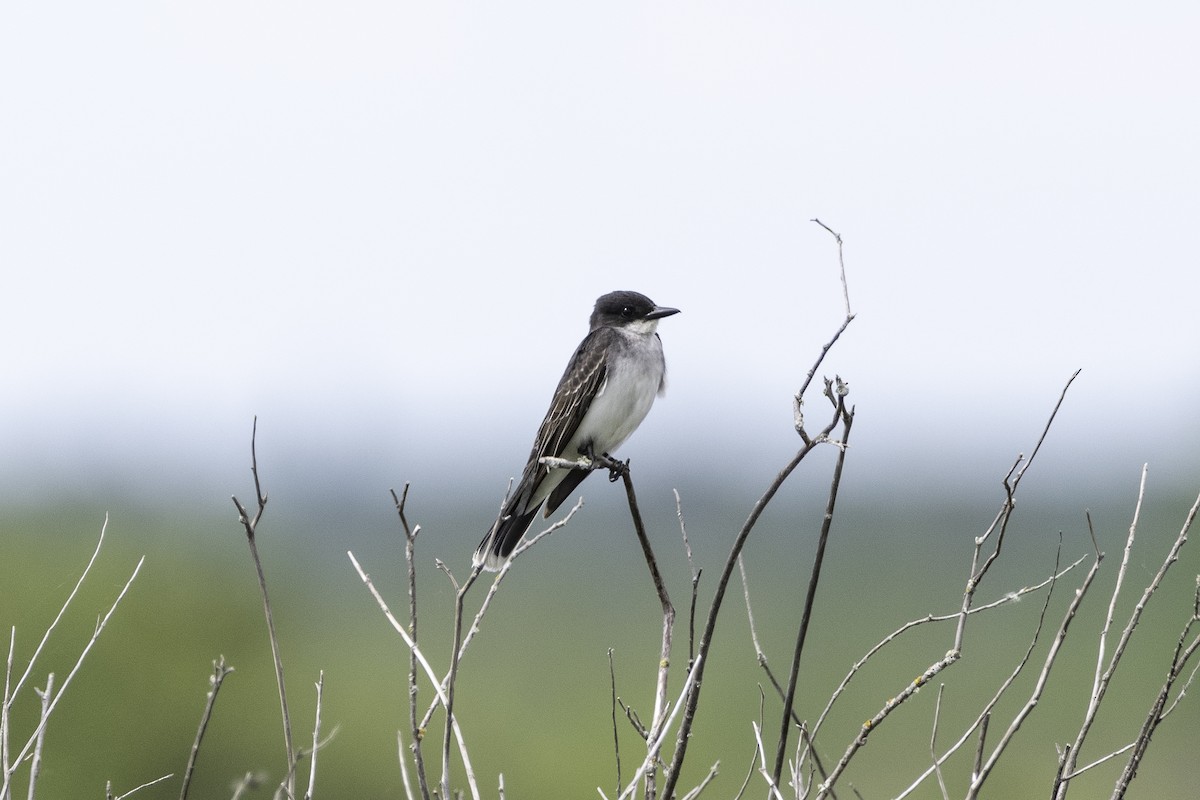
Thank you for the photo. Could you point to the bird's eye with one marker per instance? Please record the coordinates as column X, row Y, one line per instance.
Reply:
column 626, row 311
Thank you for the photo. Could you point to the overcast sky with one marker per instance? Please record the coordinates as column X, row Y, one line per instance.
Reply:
column 381, row 226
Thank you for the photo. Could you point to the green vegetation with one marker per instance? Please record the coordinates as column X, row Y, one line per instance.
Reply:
column 534, row 692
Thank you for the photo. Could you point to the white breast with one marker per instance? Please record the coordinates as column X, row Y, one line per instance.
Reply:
column 632, row 383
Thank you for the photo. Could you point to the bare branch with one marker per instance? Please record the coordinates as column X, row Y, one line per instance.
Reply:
column 612, row 674
column 810, row 598
column 101, row 624
column 451, row 680
column 772, row 783
column 1178, row 661
column 1101, row 686
column 219, row 673
column 429, row 672
column 316, row 738
column 683, row 735
column 415, row 728
column 937, row 766
column 1000, row 524
column 689, row 687
column 146, row 785
column 990, row 706
column 16, row 689
column 668, row 622
column 687, row 549
column 35, row 766
column 1040, row 685
column 700, row 787
column 250, row 524
column 520, row 550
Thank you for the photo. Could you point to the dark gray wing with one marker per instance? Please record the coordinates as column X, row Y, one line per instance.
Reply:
column 577, row 388
column 581, row 381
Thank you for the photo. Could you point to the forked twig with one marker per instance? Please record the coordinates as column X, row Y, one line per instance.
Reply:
column 789, row 699
column 415, row 727
column 101, row 624
column 520, row 550
column 35, row 766
column 452, row 720
column 1103, row 678
column 668, row 623
column 689, row 687
column 451, row 680
column 990, row 706
column 683, row 736
column 984, row 770
column 250, row 524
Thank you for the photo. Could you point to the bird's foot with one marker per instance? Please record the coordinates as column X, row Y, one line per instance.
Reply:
column 616, row 469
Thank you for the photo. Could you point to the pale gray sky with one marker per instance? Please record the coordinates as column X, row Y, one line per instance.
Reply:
column 381, row 225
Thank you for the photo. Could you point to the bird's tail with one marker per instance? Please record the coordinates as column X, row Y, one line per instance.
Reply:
column 502, row 539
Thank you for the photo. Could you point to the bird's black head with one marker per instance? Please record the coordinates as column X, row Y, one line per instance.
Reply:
column 618, row 309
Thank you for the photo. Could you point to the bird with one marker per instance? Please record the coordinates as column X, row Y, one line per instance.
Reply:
column 603, row 396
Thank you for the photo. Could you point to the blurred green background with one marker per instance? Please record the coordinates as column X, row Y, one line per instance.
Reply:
column 534, row 696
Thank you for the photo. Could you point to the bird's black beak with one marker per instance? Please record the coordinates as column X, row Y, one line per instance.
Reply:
column 661, row 311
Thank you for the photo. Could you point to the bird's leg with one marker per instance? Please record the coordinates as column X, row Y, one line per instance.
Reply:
column 615, row 468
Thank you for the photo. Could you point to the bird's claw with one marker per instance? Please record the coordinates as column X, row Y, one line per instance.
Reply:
column 616, row 469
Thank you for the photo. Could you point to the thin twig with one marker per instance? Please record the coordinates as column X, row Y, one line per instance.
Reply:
column 35, row 767
column 689, row 686
column 404, row 781
column 1010, row 597
column 979, row 746
column 683, row 735
column 429, row 672
column 990, row 706
column 937, row 766
column 1035, row 695
column 249, row 781
column 451, row 681
column 687, row 549
column 1104, row 672
column 526, row 543
column 1101, row 686
column 1101, row 760
column 16, row 689
column 1011, row 481
column 841, row 265
column 668, row 622
column 145, row 785
column 700, row 787
column 789, row 699
column 5, row 702
column 101, row 624
column 220, row 671
column 612, row 675
column 825, row 348
column 250, row 524
column 758, row 651
column 1178, row 661
column 772, row 783
column 416, row 731
column 316, row 738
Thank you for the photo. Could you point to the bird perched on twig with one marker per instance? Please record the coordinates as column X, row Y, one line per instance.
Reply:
column 604, row 394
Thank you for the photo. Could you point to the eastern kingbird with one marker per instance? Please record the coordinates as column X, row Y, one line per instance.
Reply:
column 605, row 393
